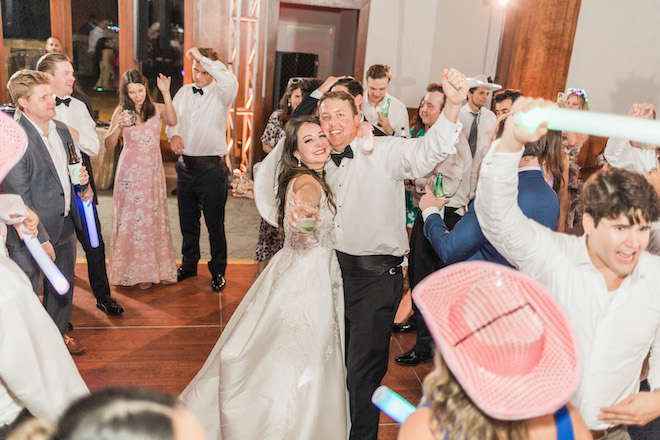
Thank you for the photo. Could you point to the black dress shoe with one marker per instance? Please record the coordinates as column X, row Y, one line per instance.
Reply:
column 217, row 283
column 412, row 358
column 183, row 274
column 110, row 306
column 404, row 327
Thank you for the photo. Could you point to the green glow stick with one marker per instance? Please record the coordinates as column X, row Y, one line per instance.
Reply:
column 597, row 124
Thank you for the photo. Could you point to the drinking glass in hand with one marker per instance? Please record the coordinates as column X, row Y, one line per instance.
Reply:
column 131, row 115
column 240, row 179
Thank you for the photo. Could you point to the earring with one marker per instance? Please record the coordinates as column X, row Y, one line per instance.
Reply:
column 299, row 164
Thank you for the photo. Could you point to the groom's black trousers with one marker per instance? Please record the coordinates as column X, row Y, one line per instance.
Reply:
column 373, row 286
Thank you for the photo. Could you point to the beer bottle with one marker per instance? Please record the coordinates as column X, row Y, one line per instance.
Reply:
column 386, row 110
column 437, row 190
column 74, row 164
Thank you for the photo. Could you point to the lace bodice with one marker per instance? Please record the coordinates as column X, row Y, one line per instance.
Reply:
column 319, row 237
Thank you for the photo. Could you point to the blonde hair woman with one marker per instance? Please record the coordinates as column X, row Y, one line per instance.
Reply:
column 506, row 363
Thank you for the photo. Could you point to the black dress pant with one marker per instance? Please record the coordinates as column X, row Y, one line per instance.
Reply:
column 202, row 183
column 423, row 261
column 98, row 276
column 373, row 286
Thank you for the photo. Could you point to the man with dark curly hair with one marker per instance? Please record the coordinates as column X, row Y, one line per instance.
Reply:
column 605, row 281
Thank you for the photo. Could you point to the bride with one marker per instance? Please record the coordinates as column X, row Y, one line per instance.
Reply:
column 277, row 371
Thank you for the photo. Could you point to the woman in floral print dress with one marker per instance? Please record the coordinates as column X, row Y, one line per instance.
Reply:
column 141, row 251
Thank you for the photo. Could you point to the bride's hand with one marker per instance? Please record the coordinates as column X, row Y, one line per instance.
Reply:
column 301, row 209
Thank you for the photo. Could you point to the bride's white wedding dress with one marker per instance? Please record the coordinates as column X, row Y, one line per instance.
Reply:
column 277, row 371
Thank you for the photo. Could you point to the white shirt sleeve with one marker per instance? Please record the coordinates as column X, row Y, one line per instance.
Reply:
column 413, row 158
column 522, row 241
column 227, row 81
column 619, row 153
column 35, row 365
column 89, row 140
column 399, row 119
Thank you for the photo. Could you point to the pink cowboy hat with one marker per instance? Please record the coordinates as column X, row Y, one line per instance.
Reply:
column 13, row 143
column 503, row 337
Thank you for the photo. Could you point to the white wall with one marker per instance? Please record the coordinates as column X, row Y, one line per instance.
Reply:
column 615, row 54
column 419, row 38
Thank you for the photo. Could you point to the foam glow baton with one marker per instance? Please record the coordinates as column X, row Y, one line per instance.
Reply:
column 392, row 404
column 90, row 220
column 52, row 272
column 597, row 124
column 91, row 223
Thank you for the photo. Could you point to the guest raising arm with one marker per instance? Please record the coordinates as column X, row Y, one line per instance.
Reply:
column 141, row 251
column 603, row 280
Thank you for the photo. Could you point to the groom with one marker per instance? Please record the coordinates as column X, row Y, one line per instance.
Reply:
column 370, row 231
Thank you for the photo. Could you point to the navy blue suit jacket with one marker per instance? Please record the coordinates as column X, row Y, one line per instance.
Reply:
column 466, row 241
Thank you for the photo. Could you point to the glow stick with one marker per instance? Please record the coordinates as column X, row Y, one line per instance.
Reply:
column 597, row 124
column 52, row 272
column 90, row 220
column 392, row 404
column 91, row 223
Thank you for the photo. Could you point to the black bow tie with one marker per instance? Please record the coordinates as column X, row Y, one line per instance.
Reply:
column 198, row 90
column 59, row 101
column 337, row 157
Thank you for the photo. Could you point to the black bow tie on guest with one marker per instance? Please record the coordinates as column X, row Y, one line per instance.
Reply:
column 59, row 101
column 337, row 157
column 198, row 90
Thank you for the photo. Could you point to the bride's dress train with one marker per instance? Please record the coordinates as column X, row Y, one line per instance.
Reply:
column 277, row 371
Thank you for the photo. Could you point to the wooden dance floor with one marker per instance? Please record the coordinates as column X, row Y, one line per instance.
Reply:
column 166, row 333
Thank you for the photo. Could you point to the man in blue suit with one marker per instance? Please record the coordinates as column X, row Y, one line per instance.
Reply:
column 466, row 241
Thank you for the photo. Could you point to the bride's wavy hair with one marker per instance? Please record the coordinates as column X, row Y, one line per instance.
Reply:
column 290, row 168
column 456, row 417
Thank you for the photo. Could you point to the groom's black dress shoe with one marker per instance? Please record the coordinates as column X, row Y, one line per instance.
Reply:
column 217, row 283
column 404, row 327
column 412, row 358
column 183, row 274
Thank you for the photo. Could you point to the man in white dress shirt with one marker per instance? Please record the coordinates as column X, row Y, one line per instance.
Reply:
column 396, row 123
column 478, row 123
column 605, row 281
column 200, row 137
column 370, row 232
column 75, row 115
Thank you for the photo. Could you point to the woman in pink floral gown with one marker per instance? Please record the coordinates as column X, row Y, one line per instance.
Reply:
column 141, row 251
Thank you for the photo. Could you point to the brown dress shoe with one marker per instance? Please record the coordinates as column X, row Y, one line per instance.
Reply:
column 73, row 346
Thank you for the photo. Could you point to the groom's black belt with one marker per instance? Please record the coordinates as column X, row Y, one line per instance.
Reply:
column 368, row 265
column 201, row 163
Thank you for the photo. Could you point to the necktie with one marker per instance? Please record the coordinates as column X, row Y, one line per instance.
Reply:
column 59, row 101
column 337, row 157
column 472, row 139
column 198, row 90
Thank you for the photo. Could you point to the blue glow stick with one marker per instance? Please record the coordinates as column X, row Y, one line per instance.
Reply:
column 90, row 220
column 91, row 223
column 392, row 404
column 597, row 124
column 52, row 272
